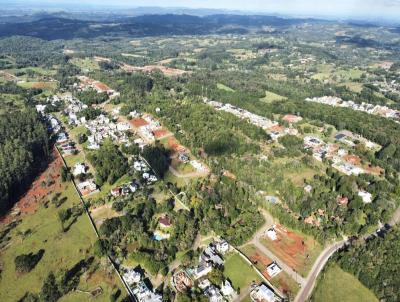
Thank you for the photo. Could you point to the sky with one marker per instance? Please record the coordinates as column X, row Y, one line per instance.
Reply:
column 340, row 8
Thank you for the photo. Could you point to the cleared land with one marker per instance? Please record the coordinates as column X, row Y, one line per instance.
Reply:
column 295, row 249
column 272, row 97
column 223, row 87
column 40, row 228
column 337, row 285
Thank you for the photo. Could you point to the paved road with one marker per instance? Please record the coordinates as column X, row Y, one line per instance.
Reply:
column 319, row 264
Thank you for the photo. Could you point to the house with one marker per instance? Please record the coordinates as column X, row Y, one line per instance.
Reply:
column 79, row 169
column 204, row 284
column 210, row 255
column 202, row 270
column 262, row 293
column 271, row 234
column 116, row 192
column 87, row 187
column 164, row 222
column 343, row 201
column 159, row 235
column 227, row 291
column 213, row 294
column 222, row 246
column 365, row 196
column 144, row 294
column 131, row 276
column 61, row 137
column 292, row 119
column 273, row 269
column 133, row 186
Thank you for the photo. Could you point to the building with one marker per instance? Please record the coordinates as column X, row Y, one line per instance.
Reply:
column 79, row 169
column 181, row 281
column 144, row 294
column 262, row 293
column 227, row 291
column 164, row 222
column 131, row 276
column 222, row 246
column 273, row 269
column 365, row 196
column 271, row 234
column 116, row 192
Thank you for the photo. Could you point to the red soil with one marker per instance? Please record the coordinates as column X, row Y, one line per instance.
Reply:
column 159, row 133
column 38, row 191
column 174, row 145
column 138, row 122
column 289, row 246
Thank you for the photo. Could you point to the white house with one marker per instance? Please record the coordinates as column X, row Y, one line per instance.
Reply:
column 271, row 234
column 79, row 169
column 365, row 196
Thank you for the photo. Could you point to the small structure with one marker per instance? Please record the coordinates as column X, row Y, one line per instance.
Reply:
column 222, row 246
column 116, row 192
column 182, row 281
column 273, row 269
column 343, row 201
column 271, row 234
column 365, row 196
column 308, row 188
column 79, row 169
column 165, row 222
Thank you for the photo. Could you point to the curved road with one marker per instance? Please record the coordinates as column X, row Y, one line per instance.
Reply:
column 319, row 264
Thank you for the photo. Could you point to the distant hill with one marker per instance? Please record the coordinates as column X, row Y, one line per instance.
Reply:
column 51, row 27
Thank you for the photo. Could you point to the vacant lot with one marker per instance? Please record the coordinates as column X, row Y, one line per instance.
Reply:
column 239, row 272
column 295, row 249
column 272, row 97
column 223, row 87
column 337, row 285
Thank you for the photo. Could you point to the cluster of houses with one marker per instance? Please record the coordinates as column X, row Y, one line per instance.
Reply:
column 210, row 258
column 383, row 111
column 351, row 139
column 87, row 186
column 138, row 286
column 272, row 128
column 341, row 160
column 254, row 119
column 72, row 107
column 102, row 127
column 147, row 127
column 88, row 83
column 140, row 166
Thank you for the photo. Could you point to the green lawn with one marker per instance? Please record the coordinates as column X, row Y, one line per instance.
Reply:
column 86, row 64
column 338, row 285
column 62, row 251
column 272, row 97
column 223, row 87
column 239, row 272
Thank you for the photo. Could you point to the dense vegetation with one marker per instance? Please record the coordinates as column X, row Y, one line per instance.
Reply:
column 376, row 264
column 24, row 148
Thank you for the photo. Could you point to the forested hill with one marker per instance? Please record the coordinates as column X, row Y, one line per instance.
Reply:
column 51, row 28
column 23, row 146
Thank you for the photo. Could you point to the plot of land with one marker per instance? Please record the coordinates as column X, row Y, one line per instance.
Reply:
column 272, row 97
column 295, row 249
column 223, row 87
column 239, row 272
column 39, row 85
column 41, row 229
column 282, row 281
column 337, row 285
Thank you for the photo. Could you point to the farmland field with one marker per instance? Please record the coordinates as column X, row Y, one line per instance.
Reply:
column 272, row 97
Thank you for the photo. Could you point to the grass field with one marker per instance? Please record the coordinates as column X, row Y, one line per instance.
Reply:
column 62, row 251
column 272, row 97
column 223, row 87
column 39, row 85
column 338, row 285
column 239, row 272
column 86, row 64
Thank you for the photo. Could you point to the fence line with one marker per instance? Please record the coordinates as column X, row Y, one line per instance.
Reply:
column 127, row 288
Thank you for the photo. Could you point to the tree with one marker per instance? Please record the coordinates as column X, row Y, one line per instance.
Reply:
column 50, row 291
